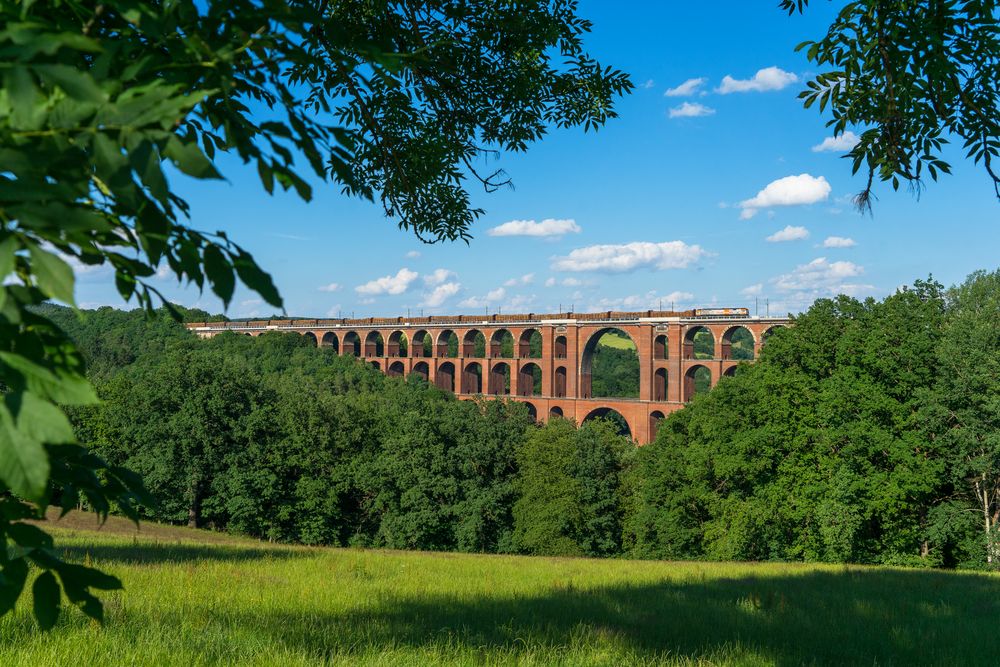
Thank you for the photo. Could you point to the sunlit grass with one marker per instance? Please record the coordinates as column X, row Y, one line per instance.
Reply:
column 190, row 603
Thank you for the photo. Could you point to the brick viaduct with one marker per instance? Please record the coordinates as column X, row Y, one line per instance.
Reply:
column 664, row 340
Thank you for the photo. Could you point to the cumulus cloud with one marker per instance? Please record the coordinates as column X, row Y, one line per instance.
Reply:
column 686, row 89
column 332, row 287
column 396, row 284
column 413, row 254
column 651, row 300
column 752, row 290
column 690, row 110
column 438, row 276
column 840, row 144
column 618, row 258
column 440, row 294
column 547, row 227
column 788, row 191
column 822, row 277
column 492, row 297
column 767, row 79
column 839, row 242
column 789, row 233
column 526, row 279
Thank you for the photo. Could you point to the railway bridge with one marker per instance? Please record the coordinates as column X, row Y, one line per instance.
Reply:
column 543, row 360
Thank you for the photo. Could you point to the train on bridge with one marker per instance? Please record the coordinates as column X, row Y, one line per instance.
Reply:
column 543, row 360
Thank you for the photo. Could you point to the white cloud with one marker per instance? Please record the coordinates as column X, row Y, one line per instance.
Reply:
column 396, row 284
column 649, row 84
column 686, row 89
column 164, row 271
column 787, row 191
column 526, row 279
column 841, row 144
column 413, row 254
column 839, row 242
column 334, row 311
column 438, row 276
column 440, row 294
column 630, row 256
column 752, row 290
column 789, row 233
column 551, row 282
column 769, row 78
column 492, row 297
column 648, row 301
column 690, row 110
column 251, row 302
column 332, row 287
column 547, row 227
column 821, row 277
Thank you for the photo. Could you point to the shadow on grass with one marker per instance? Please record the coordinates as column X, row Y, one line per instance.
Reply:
column 851, row 617
column 153, row 553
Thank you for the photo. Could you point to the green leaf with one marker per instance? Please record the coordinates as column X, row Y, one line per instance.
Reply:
column 256, row 278
column 29, row 536
column 26, row 422
column 189, row 159
column 76, row 83
column 59, row 387
column 46, row 599
column 15, row 573
column 7, row 249
column 220, row 273
column 54, row 276
column 22, row 93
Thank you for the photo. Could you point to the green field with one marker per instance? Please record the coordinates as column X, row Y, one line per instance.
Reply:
column 193, row 598
column 616, row 341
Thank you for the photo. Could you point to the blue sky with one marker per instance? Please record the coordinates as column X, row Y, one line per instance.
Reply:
column 673, row 202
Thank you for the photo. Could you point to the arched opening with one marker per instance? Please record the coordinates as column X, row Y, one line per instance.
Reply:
column 499, row 379
column 731, row 371
column 445, row 377
column 474, row 344
column 529, row 380
column 422, row 346
column 376, row 365
column 529, row 345
column 374, row 345
column 447, row 344
column 559, row 386
column 311, row 337
column 502, row 344
column 555, row 411
column 610, row 366
column 398, row 344
column 472, row 378
column 660, row 384
column 660, row 347
column 613, row 416
column 559, row 349
column 737, row 343
column 396, row 369
column 699, row 343
column 422, row 370
column 697, row 380
column 330, row 340
column 767, row 334
column 655, row 417
column 352, row 344
column 532, row 410
column 248, row 334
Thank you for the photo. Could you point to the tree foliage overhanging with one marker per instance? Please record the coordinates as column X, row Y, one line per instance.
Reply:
column 912, row 76
column 401, row 103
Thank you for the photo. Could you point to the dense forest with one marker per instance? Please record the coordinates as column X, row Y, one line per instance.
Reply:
column 866, row 432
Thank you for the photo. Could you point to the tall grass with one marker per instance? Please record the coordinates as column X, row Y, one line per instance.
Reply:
column 190, row 603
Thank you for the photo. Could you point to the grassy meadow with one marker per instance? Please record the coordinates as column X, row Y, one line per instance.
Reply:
column 196, row 598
